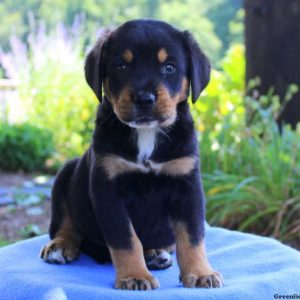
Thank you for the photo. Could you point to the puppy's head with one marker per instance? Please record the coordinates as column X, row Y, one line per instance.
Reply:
column 146, row 68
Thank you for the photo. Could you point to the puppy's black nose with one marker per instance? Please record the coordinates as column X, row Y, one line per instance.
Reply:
column 144, row 99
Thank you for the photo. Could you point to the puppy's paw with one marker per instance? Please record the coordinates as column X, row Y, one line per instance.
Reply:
column 158, row 259
column 213, row 280
column 59, row 251
column 137, row 283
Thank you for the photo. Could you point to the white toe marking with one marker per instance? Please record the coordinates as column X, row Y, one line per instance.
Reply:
column 56, row 256
column 165, row 255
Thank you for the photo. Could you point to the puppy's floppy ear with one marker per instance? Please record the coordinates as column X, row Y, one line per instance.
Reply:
column 95, row 65
column 199, row 66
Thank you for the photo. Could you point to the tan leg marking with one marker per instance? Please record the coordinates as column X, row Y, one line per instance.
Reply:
column 195, row 270
column 65, row 246
column 132, row 273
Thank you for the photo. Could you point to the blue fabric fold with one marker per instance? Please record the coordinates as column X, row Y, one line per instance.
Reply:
column 253, row 268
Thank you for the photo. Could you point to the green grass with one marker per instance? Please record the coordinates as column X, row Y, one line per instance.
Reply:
column 4, row 242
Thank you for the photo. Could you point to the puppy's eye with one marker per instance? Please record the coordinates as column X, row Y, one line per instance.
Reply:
column 169, row 68
column 121, row 67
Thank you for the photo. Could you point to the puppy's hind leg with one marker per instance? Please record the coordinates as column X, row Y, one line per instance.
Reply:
column 65, row 238
column 159, row 259
column 64, row 247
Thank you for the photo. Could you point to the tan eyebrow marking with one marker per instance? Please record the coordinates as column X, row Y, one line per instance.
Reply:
column 162, row 55
column 128, row 56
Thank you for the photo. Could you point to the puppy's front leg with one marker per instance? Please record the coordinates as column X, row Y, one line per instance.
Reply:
column 188, row 220
column 132, row 273
column 125, row 247
column 195, row 269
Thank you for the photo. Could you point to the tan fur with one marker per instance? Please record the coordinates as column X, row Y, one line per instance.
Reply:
column 68, row 232
column 123, row 105
column 166, row 105
column 192, row 260
column 162, row 55
column 130, row 264
column 184, row 89
column 150, row 252
column 115, row 165
column 179, row 166
column 67, row 238
column 128, row 56
column 106, row 89
column 153, row 252
column 171, row 249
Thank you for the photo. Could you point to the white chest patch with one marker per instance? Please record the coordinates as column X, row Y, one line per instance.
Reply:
column 145, row 142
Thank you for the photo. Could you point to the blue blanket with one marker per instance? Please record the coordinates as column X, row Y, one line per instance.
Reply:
column 253, row 268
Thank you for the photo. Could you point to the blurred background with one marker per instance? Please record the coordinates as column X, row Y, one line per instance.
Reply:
column 247, row 117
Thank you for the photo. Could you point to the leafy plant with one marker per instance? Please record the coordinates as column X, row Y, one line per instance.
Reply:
column 53, row 89
column 251, row 169
column 30, row 230
column 24, row 147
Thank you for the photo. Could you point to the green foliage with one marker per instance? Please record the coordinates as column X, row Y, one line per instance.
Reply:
column 224, row 93
column 251, row 170
column 56, row 96
column 208, row 20
column 24, row 147
column 236, row 28
column 176, row 12
column 30, row 230
column 3, row 242
column 228, row 19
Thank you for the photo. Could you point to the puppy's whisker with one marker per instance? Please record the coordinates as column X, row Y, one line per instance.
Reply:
column 180, row 114
column 107, row 117
column 164, row 133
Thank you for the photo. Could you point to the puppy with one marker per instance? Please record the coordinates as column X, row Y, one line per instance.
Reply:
column 137, row 190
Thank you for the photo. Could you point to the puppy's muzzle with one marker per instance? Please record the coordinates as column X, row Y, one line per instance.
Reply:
column 145, row 100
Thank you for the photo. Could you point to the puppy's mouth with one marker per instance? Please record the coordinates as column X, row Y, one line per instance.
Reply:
column 149, row 122
column 144, row 122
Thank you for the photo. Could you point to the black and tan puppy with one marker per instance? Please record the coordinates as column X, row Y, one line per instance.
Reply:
column 137, row 190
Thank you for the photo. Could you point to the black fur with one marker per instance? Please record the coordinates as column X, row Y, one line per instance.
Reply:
column 199, row 67
column 102, row 209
